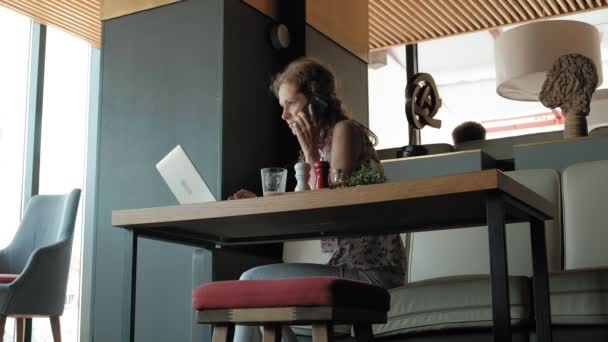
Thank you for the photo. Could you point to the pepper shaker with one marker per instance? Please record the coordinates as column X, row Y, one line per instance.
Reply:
column 321, row 171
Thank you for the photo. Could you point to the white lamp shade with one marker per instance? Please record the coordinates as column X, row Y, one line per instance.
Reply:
column 525, row 54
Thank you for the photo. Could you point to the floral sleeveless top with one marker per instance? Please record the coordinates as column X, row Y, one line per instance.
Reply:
column 376, row 252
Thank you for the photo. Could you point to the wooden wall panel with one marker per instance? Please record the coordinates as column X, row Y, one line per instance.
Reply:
column 268, row 7
column 399, row 22
column 386, row 23
column 343, row 21
column 116, row 8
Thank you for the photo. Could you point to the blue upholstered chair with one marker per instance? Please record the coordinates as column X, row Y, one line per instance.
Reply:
column 34, row 267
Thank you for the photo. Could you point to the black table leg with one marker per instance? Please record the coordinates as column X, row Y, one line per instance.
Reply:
column 28, row 330
column 495, row 211
column 540, row 281
column 133, row 285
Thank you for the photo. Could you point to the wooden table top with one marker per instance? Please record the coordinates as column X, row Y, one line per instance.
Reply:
column 412, row 205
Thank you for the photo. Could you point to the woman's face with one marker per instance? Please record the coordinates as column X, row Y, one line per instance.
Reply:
column 291, row 101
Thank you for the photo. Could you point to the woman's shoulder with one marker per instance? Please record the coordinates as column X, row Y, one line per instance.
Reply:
column 348, row 123
column 346, row 131
column 351, row 129
column 347, row 126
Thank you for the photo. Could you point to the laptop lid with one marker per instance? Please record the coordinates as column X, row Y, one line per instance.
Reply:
column 183, row 179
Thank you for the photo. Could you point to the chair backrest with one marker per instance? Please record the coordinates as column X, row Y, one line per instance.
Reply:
column 48, row 219
column 584, row 192
column 466, row 251
column 599, row 130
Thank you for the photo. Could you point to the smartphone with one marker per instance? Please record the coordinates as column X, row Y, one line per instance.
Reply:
column 319, row 106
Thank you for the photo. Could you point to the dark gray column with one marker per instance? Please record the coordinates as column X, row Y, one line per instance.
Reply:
column 160, row 86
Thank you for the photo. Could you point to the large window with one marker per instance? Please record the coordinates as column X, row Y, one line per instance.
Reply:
column 464, row 70
column 387, row 102
column 62, row 154
column 65, row 106
column 467, row 86
column 14, row 43
column 14, row 63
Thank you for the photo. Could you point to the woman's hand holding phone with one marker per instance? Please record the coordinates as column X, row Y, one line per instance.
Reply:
column 305, row 129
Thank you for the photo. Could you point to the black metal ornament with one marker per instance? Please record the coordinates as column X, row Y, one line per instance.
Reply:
column 422, row 101
column 421, row 104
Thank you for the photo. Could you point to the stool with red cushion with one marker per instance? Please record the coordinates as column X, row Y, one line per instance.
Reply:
column 317, row 301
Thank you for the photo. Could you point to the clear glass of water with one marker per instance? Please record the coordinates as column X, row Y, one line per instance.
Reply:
column 336, row 179
column 274, row 180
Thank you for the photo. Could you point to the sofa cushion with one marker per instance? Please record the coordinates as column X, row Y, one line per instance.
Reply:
column 599, row 130
column 584, row 189
column 579, row 296
column 7, row 278
column 309, row 291
column 451, row 302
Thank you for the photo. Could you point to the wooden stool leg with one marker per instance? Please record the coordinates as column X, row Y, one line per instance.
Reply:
column 272, row 333
column 20, row 329
column 2, row 324
column 56, row 328
column 363, row 332
column 223, row 332
column 322, row 332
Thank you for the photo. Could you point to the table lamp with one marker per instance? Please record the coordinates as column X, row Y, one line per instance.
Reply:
column 526, row 54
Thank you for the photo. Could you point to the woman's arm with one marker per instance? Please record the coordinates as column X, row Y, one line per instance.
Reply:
column 243, row 193
column 346, row 147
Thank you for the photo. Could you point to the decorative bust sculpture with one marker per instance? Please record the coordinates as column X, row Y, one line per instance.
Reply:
column 570, row 85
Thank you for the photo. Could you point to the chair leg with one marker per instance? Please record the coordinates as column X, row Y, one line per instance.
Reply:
column 223, row 332
column 322, row 332
column 2, row 324
column 272, row 333
column 56, row 328
column 20, row 329
column 363, row 333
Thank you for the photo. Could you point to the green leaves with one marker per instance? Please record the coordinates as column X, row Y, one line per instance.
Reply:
column 368, row 173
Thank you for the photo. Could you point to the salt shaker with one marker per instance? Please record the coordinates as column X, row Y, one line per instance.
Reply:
column 321, row 171
column 302, row 176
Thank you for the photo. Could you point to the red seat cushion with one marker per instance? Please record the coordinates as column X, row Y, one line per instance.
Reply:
column 7, row 278
column 310, row 291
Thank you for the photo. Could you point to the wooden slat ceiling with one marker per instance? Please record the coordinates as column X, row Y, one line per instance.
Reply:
column 79, row 17
column 397, row 22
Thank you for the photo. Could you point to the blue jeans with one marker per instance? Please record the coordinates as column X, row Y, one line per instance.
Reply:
column 252, row 333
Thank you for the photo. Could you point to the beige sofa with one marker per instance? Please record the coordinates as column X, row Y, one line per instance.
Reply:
column 452, row 306
column 579, row 294
column 447, row 297
column 449, row 288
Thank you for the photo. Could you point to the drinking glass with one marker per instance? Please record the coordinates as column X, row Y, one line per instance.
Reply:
column 274, row 180
column 336, row 179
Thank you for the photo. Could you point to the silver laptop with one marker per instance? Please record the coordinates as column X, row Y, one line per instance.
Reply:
column 182, row 178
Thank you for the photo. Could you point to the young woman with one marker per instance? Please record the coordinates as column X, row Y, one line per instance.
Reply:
column 327, row 133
